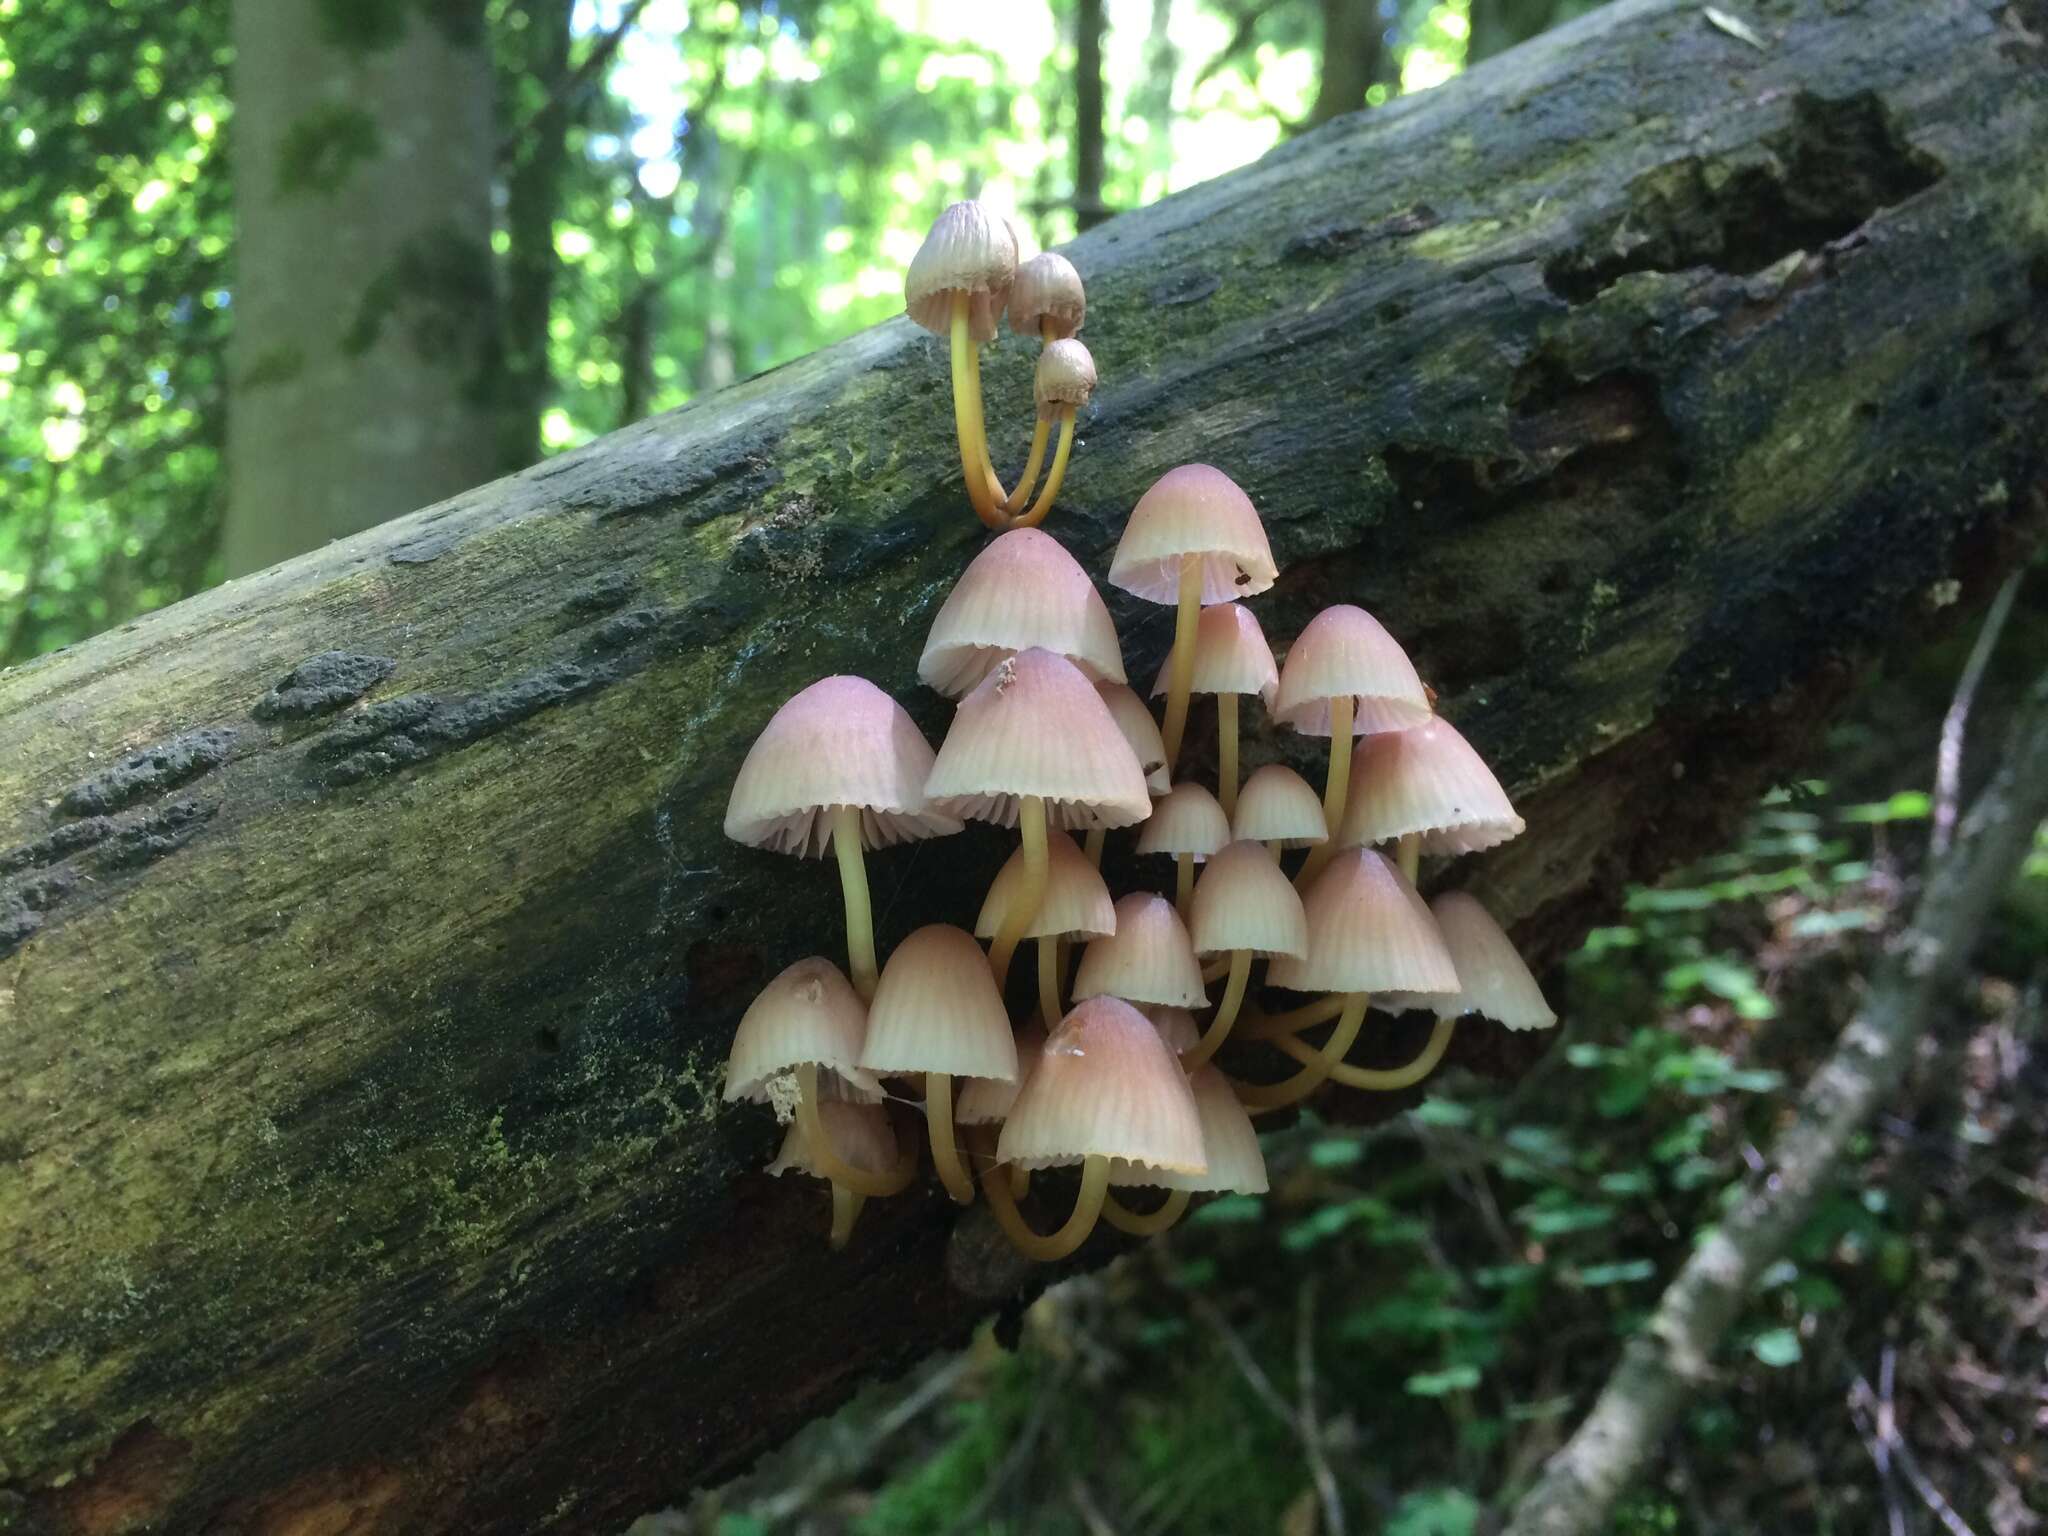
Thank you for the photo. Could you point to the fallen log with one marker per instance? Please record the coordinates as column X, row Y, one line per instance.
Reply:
column 368, row 944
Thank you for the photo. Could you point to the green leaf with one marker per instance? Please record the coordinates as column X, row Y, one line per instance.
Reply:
column 1434, row 1512
column 1336, row 1152
column 1229, row 1210
column 1906, row 805
column 1444, row 1112
column 1594, row 1276
column 1456, row 1378
column 1777, row 1348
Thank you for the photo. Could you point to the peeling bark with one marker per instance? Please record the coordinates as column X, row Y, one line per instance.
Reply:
column 360, row 1114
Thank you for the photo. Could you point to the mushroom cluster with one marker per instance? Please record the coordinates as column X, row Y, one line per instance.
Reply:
column 1112, row 1071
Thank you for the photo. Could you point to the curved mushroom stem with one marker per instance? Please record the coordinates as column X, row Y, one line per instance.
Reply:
column 1053, row 476
column 1148, row 1223
column 1336, row 790
column 1384, row 1079
column 826, row 1156
column 1049, row 980
column 1226, row 1012
column 1020, row 1181
column 1263, row 1098
column 938, row 1113
column 1226, row 752
column 1087, row 1207
column 853, row 885
column 1271, row 1026
column 845, row 1212
column 1020, row 498
column 1029, row 896
column 1097, row 836
column 1183, row 882
column 967, row 422
column 1182, row 677
column 1408, row 854
column 1217, row 969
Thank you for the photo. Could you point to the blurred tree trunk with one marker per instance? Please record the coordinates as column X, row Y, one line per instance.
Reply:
column 369, row 942
column 533, row 195
column 1497, row 25
column 1354, row 57
column 366, row 328
column 1089, row 25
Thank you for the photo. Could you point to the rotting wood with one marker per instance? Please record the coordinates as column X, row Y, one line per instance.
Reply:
column 358, row 1111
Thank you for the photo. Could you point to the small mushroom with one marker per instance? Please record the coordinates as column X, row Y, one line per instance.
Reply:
column 1428, row 791
column 1190, row 825
column 1194, row 538
column 957, row 287
column 1075, row 905
column 865, row 1139
column 1229, row 1143
column 841, row 765
column 1244, row 906
column 1148, row 959
column 1064, row 380
column 1022, row 590
column 1279, row 808
column 1231, row 658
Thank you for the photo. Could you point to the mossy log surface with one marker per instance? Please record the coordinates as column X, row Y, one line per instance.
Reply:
column 368, row 944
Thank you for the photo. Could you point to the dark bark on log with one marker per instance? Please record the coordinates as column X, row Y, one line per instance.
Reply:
column 363, row 1166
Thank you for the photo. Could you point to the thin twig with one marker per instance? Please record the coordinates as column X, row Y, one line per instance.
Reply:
column 1883, row 1433
column 1320, row 1472
column 1013, row 1460
column 1948, row 758
column 573, row 84
column 1309, row 1421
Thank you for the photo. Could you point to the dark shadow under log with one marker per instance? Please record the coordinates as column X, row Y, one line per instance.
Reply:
column 368, row 945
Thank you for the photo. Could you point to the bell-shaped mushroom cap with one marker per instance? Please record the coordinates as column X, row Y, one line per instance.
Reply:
column 1193, row 510
column 987, row 1100
column 1229, row 1141
column 1243, row 901
column 1065, row 376
column 1104, row 1086
column 1036, row 726
column 1428, row 781
column 1022, row 590
column 1176, row 1026
column 1047, row 288
column 1076, row 902
column 1492, row 979
column 860, row 1133
column 1346, row 650
column 1367, row 932
column 1149, row 959
column 1186, row 820
column 971, row 250
column 1277, row 805
column 809, row 1014
column 842, row 741
column 936, row 1009
column 1141, row 731
column 1231, row 656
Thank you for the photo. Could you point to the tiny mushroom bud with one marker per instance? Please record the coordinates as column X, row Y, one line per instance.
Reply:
column 1064, row 380
column 958, row 286
column 865, row 1139
column 1047, row 299
column 1190, row 825
column 1279, row 808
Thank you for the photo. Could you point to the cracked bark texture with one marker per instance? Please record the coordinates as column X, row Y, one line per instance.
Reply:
column 368, row 945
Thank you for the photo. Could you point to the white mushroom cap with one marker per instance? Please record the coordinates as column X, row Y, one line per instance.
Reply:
column 1022, row 590
column 1229, row 1142
column 808, row 1015
column 1231, row 656
column 1345, row 650
column 936, row 1009
column 1047, row 288
column 1036, row 726
column 1367, row 932
column 1493, row 981
column 1193, row 510
column 1429, row 781
column 860, row 1133
column 840, row 742
column 1243, row 901
column 1149, row 959
column 1277, row 805
column 1141, row 731
column 973, row 250
column 1104, row 1086
column 1076, row 902
column 1187, row 820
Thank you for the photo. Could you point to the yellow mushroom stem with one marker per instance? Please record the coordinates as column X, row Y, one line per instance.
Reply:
column 1041, row 434
column 1336, row 790
column 1382, row 1079
column 1097, row 836
column 1408, row 854
column 1271, row 1026
column 938, row 1113
column 1146, row 1223
column 1053, row 476
column 1226, row 1012
column 967, row 423
column 1087, row 1207
column 845, row 1212
column 1226, row 752
column 1182, row 676
column 1263, row 1098
column 853, row 885
column 1020, row 1181
column 1183, row 882
column 1049, row 979
column 825, row 1156
column 1030, row 893
column 1218, row 968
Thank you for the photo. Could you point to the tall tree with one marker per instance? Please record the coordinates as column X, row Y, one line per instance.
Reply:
column 537, row 153
column 1089, row 25
column 366, row 328
column 1354, row 56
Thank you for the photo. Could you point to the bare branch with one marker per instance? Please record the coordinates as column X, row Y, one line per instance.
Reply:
column 1948, row 763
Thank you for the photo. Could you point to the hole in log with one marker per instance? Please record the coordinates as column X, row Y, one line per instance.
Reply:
column 129, row 1490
